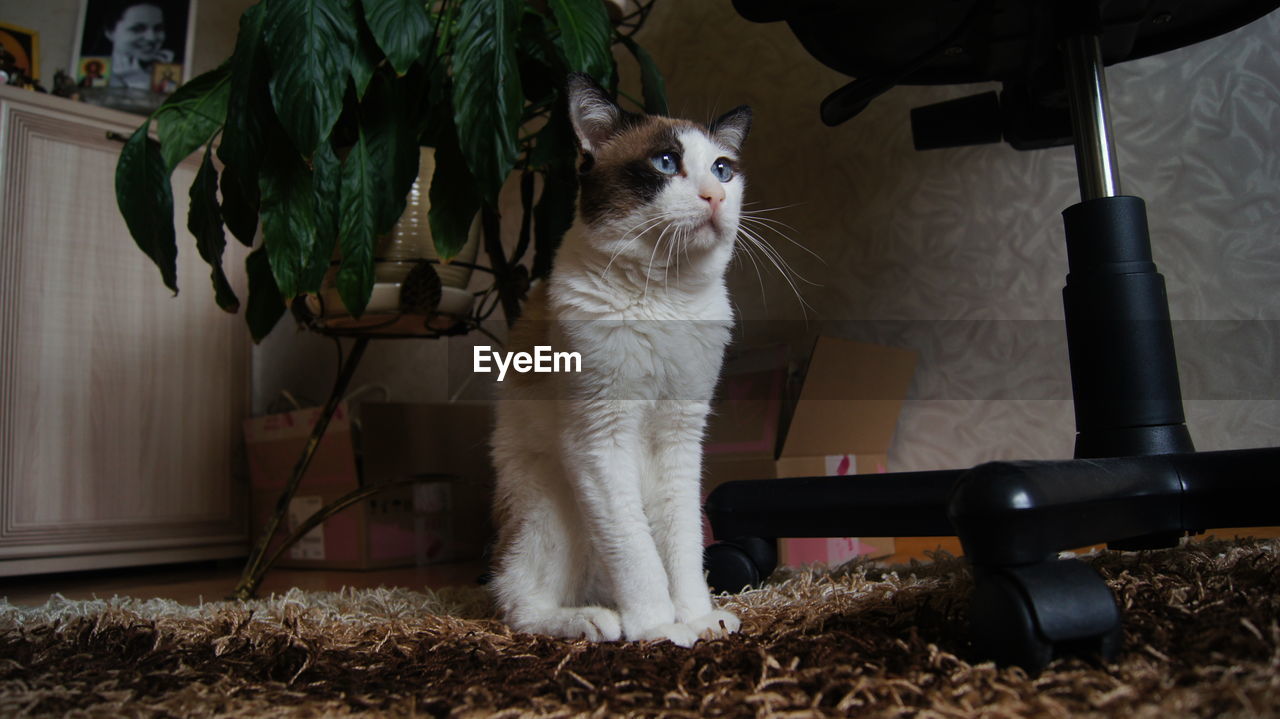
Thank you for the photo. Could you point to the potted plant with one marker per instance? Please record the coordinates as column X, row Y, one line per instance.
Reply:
column 316, row 121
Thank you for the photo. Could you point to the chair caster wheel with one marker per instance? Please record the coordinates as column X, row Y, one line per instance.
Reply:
column 1027, row 616
column 736, row 564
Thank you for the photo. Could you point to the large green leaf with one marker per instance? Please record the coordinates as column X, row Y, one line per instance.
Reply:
column 205, row 223
column 239, row 203
column 190, row 116
column 454, row 201
column 365, row 59
column 249, row 98
column 585, row 36
column 401, row 27
column 487, row 100
column 145, row 197
column 391, row 125
column 553, row 215
column 266, row 304
column 555, row 153
column 311, row 43
column 248, row 112
column 360, row 190
column 652, row 84
column 288, row 218
column 327, row 178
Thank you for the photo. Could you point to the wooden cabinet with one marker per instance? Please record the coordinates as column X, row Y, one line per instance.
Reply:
column 120, row 404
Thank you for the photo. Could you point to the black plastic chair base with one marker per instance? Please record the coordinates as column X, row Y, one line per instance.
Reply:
column 1028, row 616
column 737, row 564
column 1013, row 519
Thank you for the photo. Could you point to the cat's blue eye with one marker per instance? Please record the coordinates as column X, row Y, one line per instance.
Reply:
column 668, row 163
column 722, row 169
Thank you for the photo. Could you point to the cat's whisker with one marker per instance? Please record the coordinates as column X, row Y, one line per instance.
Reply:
column 649, row 273
column 779, row 263
column 772, row 252
column 648, row 225
column 769, row 224
column 749, row 251
column 666, row 274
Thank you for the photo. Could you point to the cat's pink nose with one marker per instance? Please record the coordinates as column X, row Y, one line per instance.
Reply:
column 713, row 196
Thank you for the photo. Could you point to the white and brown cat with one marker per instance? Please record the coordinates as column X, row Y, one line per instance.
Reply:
column 598, row 472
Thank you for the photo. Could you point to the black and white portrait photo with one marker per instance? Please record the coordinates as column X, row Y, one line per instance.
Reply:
column 134, row 43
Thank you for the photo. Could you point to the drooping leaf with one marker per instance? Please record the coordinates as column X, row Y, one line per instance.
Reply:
column 359, row 216
column 555, row 143
column 487, row 100
column 555, row 153
column 542, row 63
column 239, row 204
column 391, row 127
column 288, row 218
column 652, row 85
column 327, row 178
column 205, row 223
column 553, row 215
column 266, row 304
column 454, row 200
column 248, row 105
column 145, row 197
column 365, row 59
column 249, row 112
column 585, row 36
column 525, row 237
column 311, row 43
column 401, row 27
column 192, row 114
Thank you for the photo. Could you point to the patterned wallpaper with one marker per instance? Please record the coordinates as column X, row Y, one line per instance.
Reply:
column 958, row 253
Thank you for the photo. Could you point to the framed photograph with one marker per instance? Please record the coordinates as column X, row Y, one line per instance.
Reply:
column 125, row 43
column 24, row 45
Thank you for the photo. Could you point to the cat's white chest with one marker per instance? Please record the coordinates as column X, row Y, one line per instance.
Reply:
column 671, row 358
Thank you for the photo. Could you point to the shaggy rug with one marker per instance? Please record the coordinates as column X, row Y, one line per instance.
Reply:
column 1201, row 629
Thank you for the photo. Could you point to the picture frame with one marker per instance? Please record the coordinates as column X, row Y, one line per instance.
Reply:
column 24, row 45
column 119, row 43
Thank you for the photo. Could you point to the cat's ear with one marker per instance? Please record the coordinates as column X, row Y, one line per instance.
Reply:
column 732, row 127
column 595, row 116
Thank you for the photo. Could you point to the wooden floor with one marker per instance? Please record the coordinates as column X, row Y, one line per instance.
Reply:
column 213, row 581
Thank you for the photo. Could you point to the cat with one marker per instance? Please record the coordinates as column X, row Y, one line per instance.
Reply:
column 597, row 497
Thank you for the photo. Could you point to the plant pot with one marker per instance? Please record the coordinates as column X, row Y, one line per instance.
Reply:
column 396, row 255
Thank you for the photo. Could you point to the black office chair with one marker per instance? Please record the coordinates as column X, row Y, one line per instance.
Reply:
column 1136, row 481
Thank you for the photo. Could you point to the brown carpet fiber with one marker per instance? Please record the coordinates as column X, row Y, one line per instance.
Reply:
column 1202, row 629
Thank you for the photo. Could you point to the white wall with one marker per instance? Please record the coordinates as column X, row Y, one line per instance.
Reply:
column 959, row 253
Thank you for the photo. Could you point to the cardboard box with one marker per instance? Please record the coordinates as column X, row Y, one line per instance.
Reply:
column 841, row 423
column 397, row 527
column 430, row 521
column 274, row 444
column 408, row 439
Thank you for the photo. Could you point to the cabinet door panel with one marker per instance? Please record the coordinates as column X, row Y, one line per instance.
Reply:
column 119, row 423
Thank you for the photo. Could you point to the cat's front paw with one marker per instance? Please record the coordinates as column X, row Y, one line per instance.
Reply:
column 595, row 624
column 717, row 623
column 679, row 634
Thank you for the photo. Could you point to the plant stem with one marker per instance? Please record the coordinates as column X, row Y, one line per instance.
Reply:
column 255, row 569
column 341, row 503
